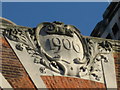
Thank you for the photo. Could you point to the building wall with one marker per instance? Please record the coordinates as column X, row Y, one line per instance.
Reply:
column 12, row 69
column 117, row 67
column 109, row 27
column 15, row 74
column 70, row 82
column 113, row 28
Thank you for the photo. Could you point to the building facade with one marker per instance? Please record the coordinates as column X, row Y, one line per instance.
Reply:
column 109, row 27
column 54, row 55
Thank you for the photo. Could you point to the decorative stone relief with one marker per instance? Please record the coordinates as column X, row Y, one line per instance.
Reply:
column 61, row 49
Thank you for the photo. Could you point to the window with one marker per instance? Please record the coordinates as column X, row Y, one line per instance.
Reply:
column 115, row 28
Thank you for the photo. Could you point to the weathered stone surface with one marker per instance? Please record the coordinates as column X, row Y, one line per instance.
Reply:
column 3, row 82
column 12, row 69
column 56, row 49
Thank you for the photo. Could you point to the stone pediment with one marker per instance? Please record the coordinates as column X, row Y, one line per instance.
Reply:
column 56, row 49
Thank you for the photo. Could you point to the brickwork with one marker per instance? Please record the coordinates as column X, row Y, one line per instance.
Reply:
column 117, row 67
column 69, row 82
column 16, row 75
column 12, row 69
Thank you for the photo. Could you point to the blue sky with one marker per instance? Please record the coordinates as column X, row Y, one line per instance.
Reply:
column 83, row 15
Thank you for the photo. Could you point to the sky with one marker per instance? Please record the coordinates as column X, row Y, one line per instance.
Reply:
column 83, row 15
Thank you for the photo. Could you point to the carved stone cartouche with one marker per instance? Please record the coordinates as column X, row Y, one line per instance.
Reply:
column 61, row 49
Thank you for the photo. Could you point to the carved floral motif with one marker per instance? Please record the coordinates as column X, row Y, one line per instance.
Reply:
column 47, row 51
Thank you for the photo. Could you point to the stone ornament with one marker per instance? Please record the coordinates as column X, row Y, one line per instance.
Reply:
column 60, row 49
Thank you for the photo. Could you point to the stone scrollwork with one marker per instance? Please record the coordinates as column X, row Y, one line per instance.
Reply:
column 99, row 51
column 59, row 39
column 106, row 46
column 61, row 48
column 52, row 28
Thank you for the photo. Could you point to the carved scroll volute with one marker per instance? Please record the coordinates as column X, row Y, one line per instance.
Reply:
column 62, row 41
column 39, row 27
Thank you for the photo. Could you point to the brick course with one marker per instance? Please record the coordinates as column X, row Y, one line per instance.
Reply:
column 117, row 67
column 69, row 82
column 16, row 75
column 12, row 69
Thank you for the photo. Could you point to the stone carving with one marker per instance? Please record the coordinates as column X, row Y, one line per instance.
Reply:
column 98, row 51
column 54, row 28
column 61, row 48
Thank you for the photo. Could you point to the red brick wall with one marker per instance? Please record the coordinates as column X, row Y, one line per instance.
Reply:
column 16, row 75
column 12, row 68
column 69, row 82
column 117, row 67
